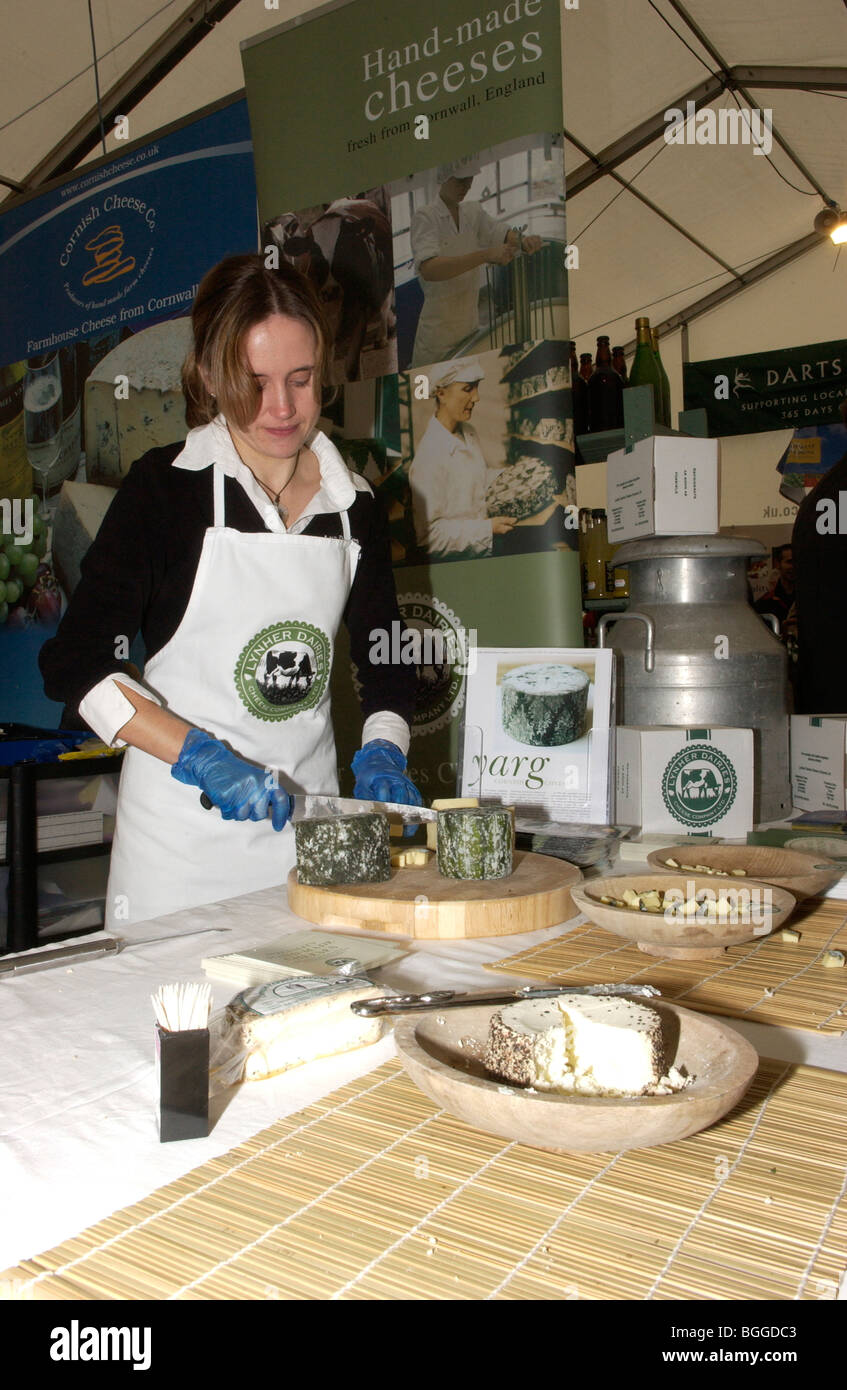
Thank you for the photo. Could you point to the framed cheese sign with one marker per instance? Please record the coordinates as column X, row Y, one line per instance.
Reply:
column 537, row 731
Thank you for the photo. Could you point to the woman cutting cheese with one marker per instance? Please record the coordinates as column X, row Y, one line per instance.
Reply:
column 236, row 555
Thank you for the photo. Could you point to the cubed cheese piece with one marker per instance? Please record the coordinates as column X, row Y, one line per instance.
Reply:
column 446, row 803
column 476, row 842
column 410, row 858
column 544, row 705
column 788, row 934
column 833, row 960
column 284, row 1024
column 343, row 849
column 149, row 409
column 81, row 509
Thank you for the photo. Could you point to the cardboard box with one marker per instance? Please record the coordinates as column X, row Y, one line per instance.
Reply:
column 664, row 486
column 819, row 761
column 685, row 781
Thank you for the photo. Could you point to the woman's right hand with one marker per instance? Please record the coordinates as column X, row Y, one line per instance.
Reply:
column 502, row 525
column 238, row 789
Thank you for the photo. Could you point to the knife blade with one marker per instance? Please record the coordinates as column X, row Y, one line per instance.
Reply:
column 307, row 806
column 457, row 999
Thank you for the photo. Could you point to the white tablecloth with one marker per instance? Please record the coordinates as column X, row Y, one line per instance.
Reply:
column 78, row 1092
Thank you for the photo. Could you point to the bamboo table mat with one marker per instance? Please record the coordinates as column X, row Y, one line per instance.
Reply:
column 768, row 981
column 373, row 1193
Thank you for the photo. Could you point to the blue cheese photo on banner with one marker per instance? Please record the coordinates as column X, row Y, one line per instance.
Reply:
column 479, row 251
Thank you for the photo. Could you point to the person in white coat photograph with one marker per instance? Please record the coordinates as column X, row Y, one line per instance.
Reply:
column 235, row 555
column 452, row 238
column 449, row 474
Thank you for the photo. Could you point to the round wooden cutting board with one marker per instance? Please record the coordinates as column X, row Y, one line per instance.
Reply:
column 420, row 902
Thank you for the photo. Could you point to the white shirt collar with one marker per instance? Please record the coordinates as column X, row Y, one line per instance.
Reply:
column 212, row 443
column 463, row 437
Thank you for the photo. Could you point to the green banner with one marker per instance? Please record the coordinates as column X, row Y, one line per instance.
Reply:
column 335, row 97
column 410, row 161
column 785, row 389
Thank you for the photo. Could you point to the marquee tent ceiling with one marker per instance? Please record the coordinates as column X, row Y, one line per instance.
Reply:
column 694, row 220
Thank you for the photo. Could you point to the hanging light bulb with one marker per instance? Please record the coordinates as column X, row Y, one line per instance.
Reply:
column 832, row 222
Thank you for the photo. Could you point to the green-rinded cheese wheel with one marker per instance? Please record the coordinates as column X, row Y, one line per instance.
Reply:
column 343, row 849
column 476, row 842
column 544, row 705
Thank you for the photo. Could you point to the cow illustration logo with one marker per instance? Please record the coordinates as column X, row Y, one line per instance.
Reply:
column 283, row 670
column 699, row 785
column 442, row 658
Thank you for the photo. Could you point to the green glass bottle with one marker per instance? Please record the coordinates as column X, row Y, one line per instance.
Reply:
column 644, row 370
column 666, row 386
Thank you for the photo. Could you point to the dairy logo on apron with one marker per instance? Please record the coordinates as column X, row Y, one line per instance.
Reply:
column 699, row 785
column 283, row 670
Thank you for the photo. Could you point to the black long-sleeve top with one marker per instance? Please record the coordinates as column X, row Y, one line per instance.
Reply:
column 138, row 575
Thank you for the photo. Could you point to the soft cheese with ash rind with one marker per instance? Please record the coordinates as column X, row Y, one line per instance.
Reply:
column 544, row 704
column 282, row 1025
column 594, row 1045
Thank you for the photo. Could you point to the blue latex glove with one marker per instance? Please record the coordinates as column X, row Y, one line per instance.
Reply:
column 239, row 790
column 380, row 776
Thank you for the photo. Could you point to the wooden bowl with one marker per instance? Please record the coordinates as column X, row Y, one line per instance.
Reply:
column 443, row 1055
column 804, row 875
column 687, row 938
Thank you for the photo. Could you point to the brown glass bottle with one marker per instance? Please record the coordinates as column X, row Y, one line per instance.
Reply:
column 579, row 389
column 619, row 363
column 605, row 392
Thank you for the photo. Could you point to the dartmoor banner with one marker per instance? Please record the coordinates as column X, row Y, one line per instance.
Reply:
column 409, row 160
column 791, row 388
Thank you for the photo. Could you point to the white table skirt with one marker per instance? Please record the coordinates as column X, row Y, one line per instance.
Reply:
column 78, row 1094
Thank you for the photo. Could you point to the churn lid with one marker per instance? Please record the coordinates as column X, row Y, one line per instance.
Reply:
column 687, row 548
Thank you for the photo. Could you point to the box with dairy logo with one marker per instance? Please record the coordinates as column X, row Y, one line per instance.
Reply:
column 819, row 761
column 663, row 486
column 684, row 781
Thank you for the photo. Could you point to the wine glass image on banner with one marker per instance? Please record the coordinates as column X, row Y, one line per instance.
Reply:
column 479, row 251
column 345, row 249
column 490, row 461
column 286, row 674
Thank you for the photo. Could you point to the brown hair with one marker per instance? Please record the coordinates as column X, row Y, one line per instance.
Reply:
column 233, row 297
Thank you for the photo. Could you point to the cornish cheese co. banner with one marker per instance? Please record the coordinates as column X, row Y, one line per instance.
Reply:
column 98, row 275
column 426, row 200
column 791, row 388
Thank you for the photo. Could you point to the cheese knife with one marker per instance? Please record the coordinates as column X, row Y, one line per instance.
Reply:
column 306, row 806
column 457, row 999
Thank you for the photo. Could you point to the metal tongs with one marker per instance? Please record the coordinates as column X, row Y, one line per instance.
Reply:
column 458, row 999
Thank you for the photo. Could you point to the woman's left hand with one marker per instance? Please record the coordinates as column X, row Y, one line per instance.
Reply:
column 380, row 776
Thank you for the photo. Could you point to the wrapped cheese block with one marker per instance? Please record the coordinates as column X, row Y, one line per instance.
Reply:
column 343, row 849
column 271, row 1028
column 476, row 842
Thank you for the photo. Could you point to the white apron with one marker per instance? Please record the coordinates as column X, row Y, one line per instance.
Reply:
column 249, row 663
